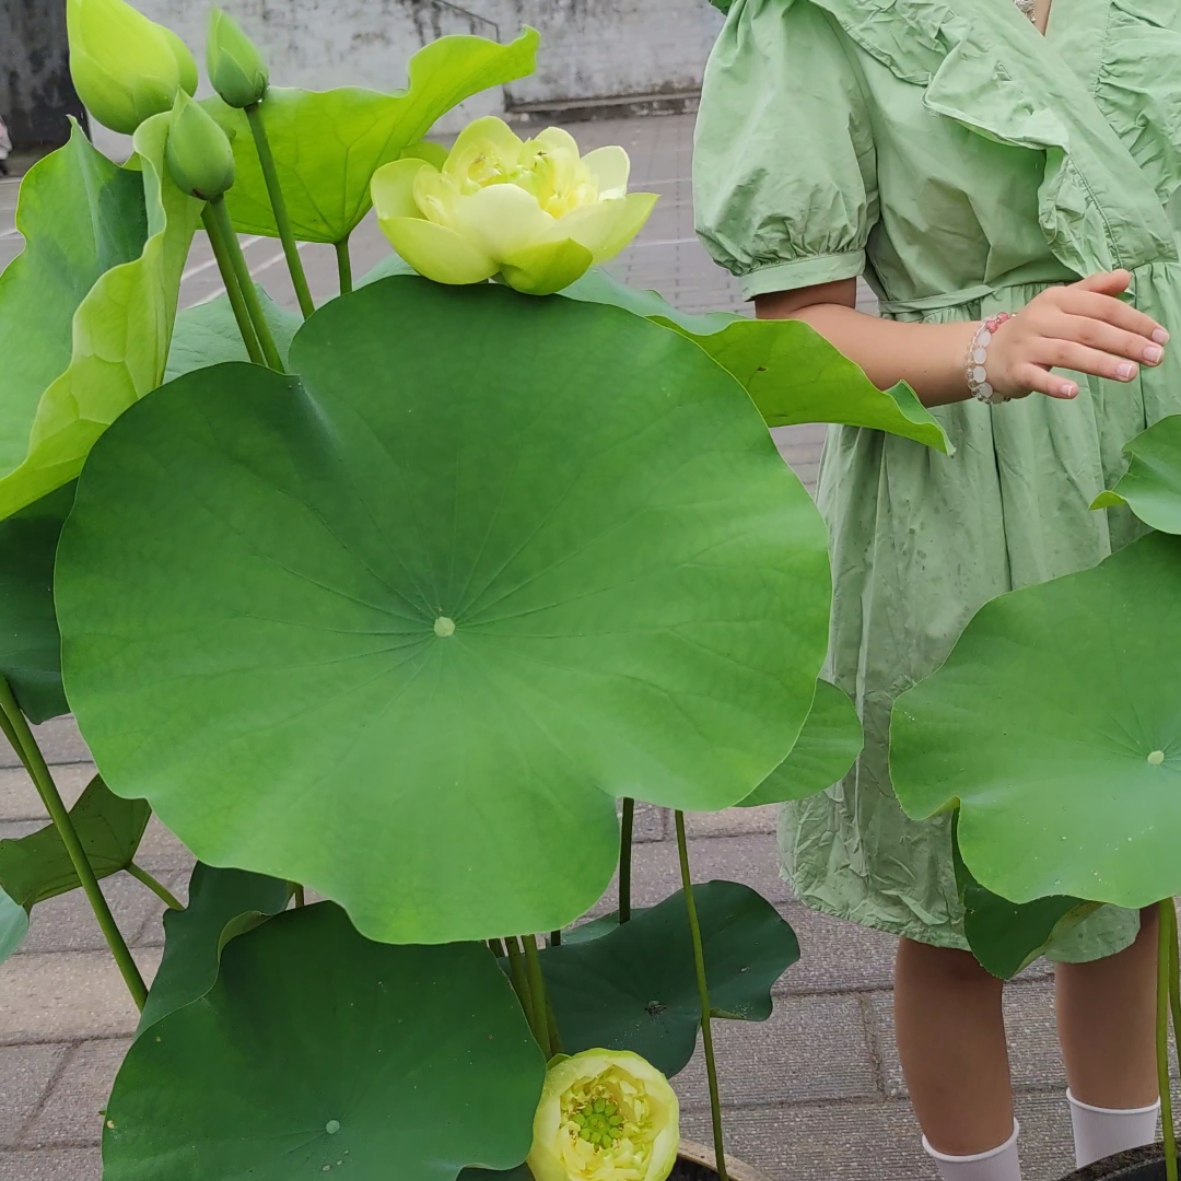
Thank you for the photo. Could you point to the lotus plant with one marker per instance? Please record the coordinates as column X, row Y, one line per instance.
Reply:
column 349, row 620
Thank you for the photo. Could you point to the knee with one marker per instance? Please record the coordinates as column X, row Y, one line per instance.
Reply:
column 955, row 968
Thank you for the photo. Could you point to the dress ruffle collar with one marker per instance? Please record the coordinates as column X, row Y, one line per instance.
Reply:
column 995, row 74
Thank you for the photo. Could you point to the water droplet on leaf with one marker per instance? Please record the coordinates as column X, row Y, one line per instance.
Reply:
column 1156, row 758
column 332, row 1127
column 444, row 627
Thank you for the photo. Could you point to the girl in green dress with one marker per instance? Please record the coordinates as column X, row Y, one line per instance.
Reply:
column 970, row 158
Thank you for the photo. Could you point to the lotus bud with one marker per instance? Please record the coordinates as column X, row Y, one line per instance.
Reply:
column 125, row 67
column 536, row 213
column 605, row 1114
column 235, row 65
column 200, row 159
column 185, row 65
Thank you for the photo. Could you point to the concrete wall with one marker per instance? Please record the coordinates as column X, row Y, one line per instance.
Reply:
column 591, row 49
column 36, row 94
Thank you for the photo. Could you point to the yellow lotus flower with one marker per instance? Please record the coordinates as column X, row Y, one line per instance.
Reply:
column 535, row 211
column 605, row 1115
column 125, row 67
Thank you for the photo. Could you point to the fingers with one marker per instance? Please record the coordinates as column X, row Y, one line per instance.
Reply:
column 1094, row 306
column 1042, row 381
column 1068, row 354
column 1107, row 338
column 1104, row 282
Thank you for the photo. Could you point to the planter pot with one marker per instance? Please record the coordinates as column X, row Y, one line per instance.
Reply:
column 1139, row 1164
column 697, row 1163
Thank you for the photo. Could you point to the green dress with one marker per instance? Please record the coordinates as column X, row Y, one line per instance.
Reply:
column 963, row 163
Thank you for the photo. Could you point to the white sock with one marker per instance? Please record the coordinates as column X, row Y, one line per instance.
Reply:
column 998, row 1164
column 1104, row 1131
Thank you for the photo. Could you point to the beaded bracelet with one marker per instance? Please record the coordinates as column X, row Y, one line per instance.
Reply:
column 978, row 384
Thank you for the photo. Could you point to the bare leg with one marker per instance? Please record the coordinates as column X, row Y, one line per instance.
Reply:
column 1107, row 1022
column 951, row 1040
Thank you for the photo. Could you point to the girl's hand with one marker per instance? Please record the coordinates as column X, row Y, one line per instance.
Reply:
column 1081, row 327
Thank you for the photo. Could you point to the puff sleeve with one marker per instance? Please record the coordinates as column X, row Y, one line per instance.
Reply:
column 784, row 171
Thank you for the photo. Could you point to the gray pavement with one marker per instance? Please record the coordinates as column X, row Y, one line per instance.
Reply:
column 814, row 1094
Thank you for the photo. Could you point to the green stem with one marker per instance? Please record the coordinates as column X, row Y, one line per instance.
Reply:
column 158, row 888
column 497, row 948
column 551, row 1022
column 1163, row 972
column 230, row 279
column 555, row 939
column 1174, row 979
column 625, row 861
column 225, row 229
column 279, row 207
column 707, row 1037
column 300, row 895
column 26, row 746
column 519, row 977
column 344, row 266
column 540, row 1019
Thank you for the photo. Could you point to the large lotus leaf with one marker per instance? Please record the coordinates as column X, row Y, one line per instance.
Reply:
column 223, row 903
column 1008, row 936
column 14, row 925
column 318, row 1050
column 38, row 867
column 635, row 987
column 30, row 647
column 827, row 747
column 1056, row 725
column 328, row 144
column 86, row 312
column 793, row 374
column 1152, row 483
column 403, row 630
column 208, row 334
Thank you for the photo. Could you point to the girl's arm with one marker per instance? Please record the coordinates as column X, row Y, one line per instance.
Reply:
column 1083, row 327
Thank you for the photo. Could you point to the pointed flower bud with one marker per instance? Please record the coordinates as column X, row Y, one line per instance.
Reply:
column 235, row 65
column 185, row 65
column 125, row 67
column 200, row 159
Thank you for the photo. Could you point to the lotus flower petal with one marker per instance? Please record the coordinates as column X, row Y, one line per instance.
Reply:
column 503, row 219
column 547, row 268
column 611, row 167
column 393, row 188
column 437, row 252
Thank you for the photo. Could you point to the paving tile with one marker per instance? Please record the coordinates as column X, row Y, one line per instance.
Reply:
column 656, row 874
column 161, row 851
column 733, row 822
column 67, row 923
column 18, row 796
column 59, row 741
column 62, row 996
column 850, row 1141
column 650, row 823
column 26, row 1073
column 836, row 956
column 810, row 1048
column 72, row 1112
column 72, row 1164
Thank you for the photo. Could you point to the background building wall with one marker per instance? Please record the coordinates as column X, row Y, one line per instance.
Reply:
column 36, row 94
column 591, row 50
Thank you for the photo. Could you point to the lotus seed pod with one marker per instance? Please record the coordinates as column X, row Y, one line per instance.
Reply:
column 236, row 67
column 125, row 67
column 200, row 159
